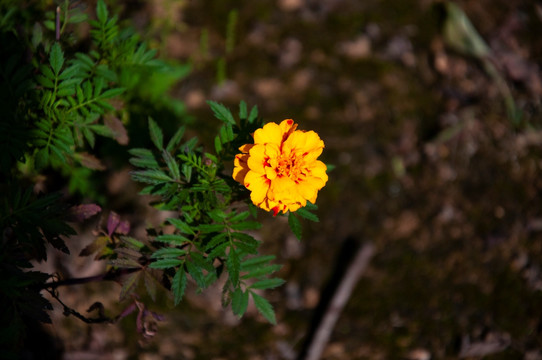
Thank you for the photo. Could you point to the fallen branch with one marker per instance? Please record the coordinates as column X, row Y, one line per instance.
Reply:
column 351, row 264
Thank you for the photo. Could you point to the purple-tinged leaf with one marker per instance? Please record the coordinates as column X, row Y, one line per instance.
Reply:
column 129, row 284
column 130, row 309
column 96, row 246
column 123, row 228
column 113, row 222
column 117, row 127
column 82, row 212
column 158, row 317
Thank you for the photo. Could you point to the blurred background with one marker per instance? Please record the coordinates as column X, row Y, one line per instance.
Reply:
column 431, row 116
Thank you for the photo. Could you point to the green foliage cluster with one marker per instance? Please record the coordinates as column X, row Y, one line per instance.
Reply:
column 56, row 103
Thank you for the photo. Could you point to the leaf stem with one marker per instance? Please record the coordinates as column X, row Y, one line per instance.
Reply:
column 111, row 275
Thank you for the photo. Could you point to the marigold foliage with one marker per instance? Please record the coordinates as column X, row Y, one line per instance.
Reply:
column 281, row 169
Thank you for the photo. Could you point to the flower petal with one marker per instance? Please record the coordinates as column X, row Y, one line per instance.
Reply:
column 270, row 133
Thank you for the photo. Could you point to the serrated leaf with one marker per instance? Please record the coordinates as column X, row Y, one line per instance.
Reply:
column 172, row 165
column 306, row 214
column 218, row 145
column 150, row 284
column 218, row 251
column 124, row 263
column 178, row 285
column 196, row 273
column 111, row 93
column 253, row 114
column 130, row 242
column 267, row 284
column 166, row 263
column 239, row 217
column 69, row 73
column 233, row 265
column 129, row 284
column 151, row 176
column 264, row 308
column 43, row 81
column 181, row 225
column 56, row 58
column 261, row 271
column 246, row 225
column 239, row 302
column 243, row 110
column 168, row 253
column 176, row 139
column 221, row 112
column 156, row 135
column 255, row 262
column 101, row 11
column 46, row 71
column 172, row 239
column 295, row 225
column 208, row 228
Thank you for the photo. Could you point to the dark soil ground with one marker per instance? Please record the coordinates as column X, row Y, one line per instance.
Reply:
column 429, row 167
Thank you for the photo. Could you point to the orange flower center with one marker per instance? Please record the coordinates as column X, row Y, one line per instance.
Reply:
column 288, row 165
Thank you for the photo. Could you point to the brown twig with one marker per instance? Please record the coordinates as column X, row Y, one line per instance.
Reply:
column 111, row 275
column 330, row 307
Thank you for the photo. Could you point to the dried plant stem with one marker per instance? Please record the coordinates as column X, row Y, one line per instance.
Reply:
column 111, row 275
column 320, row 337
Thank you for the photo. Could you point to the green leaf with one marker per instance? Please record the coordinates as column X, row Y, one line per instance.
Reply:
column 218, row 143
column 178, row 285
column 196, row 273
column 255, row 262
column 172, row 239
column 239, row 302
column 304, row 213
column 253, row 114
column 69, row 73
column 261, row 271
column 264, row 308
column 111, row 93
column 166, row 263
column 172, row 165
column 156, row 135
column 246, row 225
column 216, row 240
column 167, row 252
column 243, row 110
column 151, row 176
column 56, row 58
column 232, row 263
column 176, row 139
column 295, row 225
column 101, row 11
column 221, row 112
column 41, row 159
column 208, row 228
column 239, row 217
column 43, row 81
column 47, row 72
column 181, row 225
column 218, row 251
column 267, row 284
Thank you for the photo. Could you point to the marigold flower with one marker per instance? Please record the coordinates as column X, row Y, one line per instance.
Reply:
column 281, row 168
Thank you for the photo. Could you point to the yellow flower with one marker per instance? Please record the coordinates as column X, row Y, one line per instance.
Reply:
column 281, row 168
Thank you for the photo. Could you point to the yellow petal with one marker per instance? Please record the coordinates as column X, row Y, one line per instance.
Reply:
column 270, row 133
column 240, row 167
column 257, row 159
column 246, row 148
column 258, row 184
